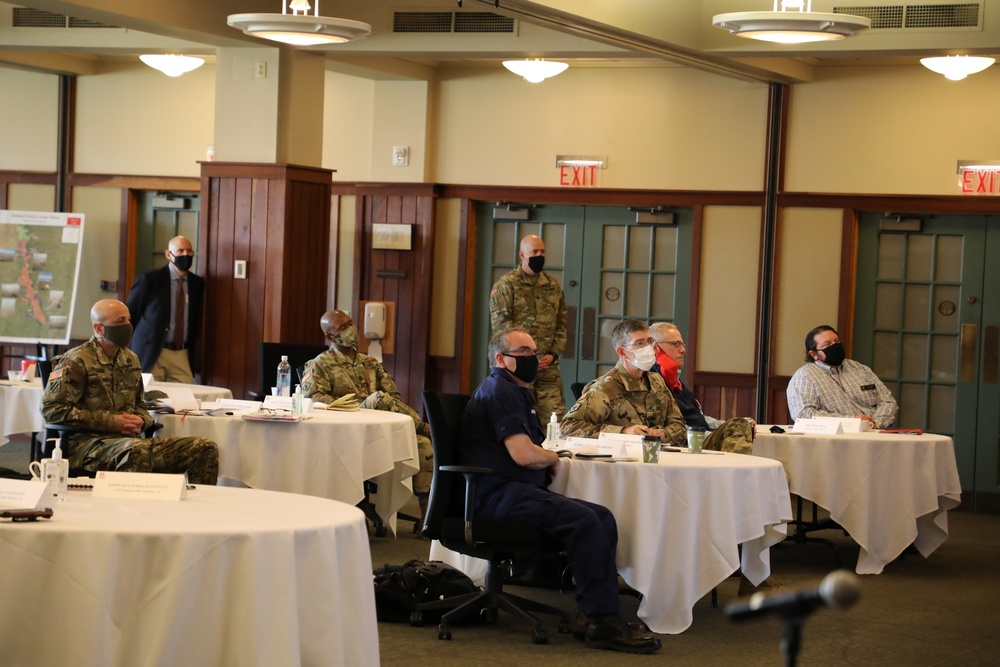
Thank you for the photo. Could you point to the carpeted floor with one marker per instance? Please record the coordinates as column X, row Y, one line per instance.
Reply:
column 937, row 611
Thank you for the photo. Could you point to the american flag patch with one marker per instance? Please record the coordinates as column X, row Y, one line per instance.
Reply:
column 306, row 376
column 56, row 374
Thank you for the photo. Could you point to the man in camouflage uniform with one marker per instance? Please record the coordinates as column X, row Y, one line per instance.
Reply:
column 735, row 435
column 97, row 387
column 526, row 298
column 628, row 398
column 343, row 370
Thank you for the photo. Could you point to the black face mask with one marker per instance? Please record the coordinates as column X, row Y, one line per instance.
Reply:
column 526, row 369
column 536, row 263
column 834, row 355
column 183, row 262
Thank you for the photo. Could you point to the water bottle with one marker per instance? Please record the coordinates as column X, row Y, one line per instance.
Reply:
column 284, row 382
column 553, row 433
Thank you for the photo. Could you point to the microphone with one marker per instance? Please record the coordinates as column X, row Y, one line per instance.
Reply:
column 839, row 589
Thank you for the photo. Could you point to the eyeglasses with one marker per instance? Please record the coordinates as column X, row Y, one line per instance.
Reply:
column 676, row 343
column 522, row 352
column 639, row 344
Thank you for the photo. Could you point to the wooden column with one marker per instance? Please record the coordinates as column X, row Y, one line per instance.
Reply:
column 276, row 218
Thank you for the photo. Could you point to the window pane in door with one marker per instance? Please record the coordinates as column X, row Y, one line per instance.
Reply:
column 638, row 296
column 918, row 257
column 614, row 247
column 665, row 258
column 504, row 243
column 885, row 364
column 887, row 302
column 944, row 358
column 911, row 406
column 914, row 357
column 915, row 310
column 554, row 236
column 948, row 266
column 945, row 311
column 638, row 248
column 890, row 256
column 611, row 293
column 663, row 297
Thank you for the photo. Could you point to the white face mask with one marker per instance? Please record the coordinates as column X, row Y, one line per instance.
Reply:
column 644, row 358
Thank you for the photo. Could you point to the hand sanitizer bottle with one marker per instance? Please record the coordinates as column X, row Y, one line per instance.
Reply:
column 297, row 401
column 553, row 433
column 55, row 472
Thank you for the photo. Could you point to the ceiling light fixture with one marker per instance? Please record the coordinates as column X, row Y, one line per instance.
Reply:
column 791, row 22
column 535, row 70
column 172, row 65
column 298, row 27
column 957, row 68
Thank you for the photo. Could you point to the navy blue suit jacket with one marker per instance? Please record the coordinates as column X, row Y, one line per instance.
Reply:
column 149, row 306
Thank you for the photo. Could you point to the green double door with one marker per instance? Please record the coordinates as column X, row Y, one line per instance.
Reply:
column 610, row 267
column 928, row 322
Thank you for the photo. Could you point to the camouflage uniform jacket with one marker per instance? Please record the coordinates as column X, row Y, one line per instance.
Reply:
column 87, row 389
column 536, row 305
column 616, row 401
column 333, row 374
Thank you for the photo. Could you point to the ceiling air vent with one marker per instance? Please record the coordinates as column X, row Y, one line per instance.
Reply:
column 26, row 17
column 919, row 16
column 449, row 22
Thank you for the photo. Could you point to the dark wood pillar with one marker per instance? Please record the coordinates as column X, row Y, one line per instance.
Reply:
column 276, row 218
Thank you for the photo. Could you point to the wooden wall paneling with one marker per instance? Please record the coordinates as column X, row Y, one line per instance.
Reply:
column 423, row 259
column 466, row 293
column 268, row 216
column 220, row 284
column 126, row 245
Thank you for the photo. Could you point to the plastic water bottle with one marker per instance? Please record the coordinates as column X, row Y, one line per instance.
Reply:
column 284, row 377
column 553, row 433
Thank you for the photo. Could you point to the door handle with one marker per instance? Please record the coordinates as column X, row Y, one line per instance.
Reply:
column 587, row 335
column 967, row 362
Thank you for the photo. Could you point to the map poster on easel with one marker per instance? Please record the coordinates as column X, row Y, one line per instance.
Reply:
column 39, row 267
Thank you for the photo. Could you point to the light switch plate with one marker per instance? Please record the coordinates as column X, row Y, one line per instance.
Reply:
column 240, row 269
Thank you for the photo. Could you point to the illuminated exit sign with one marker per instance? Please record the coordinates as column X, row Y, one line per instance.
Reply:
column 979, row 177
column 580, row 171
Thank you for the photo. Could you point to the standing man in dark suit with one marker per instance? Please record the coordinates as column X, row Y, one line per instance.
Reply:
column 166, row 306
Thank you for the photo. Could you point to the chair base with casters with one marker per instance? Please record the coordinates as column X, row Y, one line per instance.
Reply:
column 803, row 527
column 368, row 507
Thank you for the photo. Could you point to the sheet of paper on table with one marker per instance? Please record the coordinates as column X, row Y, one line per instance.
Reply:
column 179, row 399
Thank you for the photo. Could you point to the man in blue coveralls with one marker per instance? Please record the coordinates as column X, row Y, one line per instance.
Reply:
column 501, row 431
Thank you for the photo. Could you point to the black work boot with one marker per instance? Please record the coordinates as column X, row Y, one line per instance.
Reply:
column 578, row 626
column 612, row 633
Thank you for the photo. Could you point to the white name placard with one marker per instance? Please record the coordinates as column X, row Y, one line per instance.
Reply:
column 140, row 485
column 278, row 403
column 626, row 444
column 824, row 425
column 24, row 494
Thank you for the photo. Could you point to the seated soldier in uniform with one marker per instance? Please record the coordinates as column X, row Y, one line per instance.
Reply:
column 97, row 387
column 343, row 370
column 735, row 435
column 628, row 398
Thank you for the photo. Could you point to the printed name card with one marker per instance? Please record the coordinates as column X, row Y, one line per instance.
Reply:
column 853, row 425
column 278, row 403
column 22, row 494
column 821, row 425
column 626, row 444
column 140, row 485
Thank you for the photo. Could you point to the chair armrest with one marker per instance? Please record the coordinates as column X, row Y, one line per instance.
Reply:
column 153, row 428
column 471, row 474
column 255, row 395
column 60, row 428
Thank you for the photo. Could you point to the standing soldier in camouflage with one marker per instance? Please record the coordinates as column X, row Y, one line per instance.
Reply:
column 98, row 388
column 628, row 398
column 343, row 370
column 531, row 300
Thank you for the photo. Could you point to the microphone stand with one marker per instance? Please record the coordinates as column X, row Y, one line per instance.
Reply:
column 791, row 636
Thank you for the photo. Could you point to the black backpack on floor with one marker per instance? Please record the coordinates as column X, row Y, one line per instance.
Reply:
column 400, row 588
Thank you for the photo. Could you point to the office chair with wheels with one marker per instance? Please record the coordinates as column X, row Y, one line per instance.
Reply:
column 577, row 389
column 450, row 519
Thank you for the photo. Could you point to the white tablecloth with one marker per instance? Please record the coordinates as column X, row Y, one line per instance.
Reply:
column 21, row 403
column 226, row 577
column 679, row 524
column 887, row 490
column 330, row 455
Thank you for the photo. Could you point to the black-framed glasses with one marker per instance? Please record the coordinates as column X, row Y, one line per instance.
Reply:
column 523, row 352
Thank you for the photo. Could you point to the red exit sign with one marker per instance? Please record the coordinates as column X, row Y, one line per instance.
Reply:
column 579, row 176
column 982, row 182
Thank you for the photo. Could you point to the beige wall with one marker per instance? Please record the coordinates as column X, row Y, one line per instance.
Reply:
column 102, row 208
column 662, row 128
column 29, row 106
column 807, row 293
column 132, row 119
column 345, row 250
column 444, row 305
column 26, row 197
column 896, row 130
column 727, row 320
column 347, row 126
